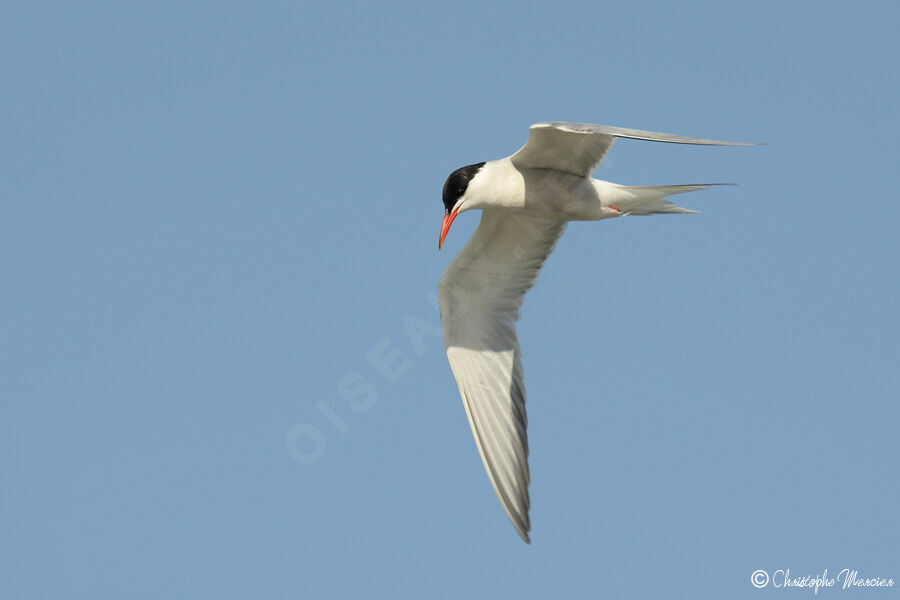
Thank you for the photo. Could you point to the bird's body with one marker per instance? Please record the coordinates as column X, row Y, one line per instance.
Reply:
column 542, row 192
column 526, row 201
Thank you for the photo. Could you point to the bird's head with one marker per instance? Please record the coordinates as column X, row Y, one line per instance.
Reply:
column 455, row 199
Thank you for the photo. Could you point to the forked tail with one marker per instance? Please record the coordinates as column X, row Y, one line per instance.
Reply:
column 651, row 199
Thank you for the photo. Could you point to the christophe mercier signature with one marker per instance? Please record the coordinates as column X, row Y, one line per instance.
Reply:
column 846, row 578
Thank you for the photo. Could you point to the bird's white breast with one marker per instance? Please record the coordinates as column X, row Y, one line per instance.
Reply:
column 497, row 185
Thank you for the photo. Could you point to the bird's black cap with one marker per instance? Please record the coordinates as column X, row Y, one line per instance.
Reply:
column 457, row 184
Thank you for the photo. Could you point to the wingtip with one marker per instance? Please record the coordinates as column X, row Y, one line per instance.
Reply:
column 636, row 134
column 522, row 525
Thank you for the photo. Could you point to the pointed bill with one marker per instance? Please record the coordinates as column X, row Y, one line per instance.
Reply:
column 445, row 226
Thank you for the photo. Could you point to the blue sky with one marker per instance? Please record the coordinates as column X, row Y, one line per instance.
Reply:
column 218, row 219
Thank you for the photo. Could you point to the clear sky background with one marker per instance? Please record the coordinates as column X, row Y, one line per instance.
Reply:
column 213, row 215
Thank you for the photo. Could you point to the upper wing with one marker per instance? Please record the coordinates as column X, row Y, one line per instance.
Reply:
column 579, row 148
column 479, row 296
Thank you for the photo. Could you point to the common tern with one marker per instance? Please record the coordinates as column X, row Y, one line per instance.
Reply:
column 526, row 200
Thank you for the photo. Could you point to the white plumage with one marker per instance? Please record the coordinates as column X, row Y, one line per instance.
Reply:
column 526, row 201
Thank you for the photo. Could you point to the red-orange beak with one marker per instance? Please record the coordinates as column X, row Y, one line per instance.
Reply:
column 445, row 227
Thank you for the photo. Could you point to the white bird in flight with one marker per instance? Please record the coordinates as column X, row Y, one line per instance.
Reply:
column 526, row 201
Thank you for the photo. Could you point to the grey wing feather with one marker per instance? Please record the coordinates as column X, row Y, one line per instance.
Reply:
column 579, row 148
column 479, row 296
